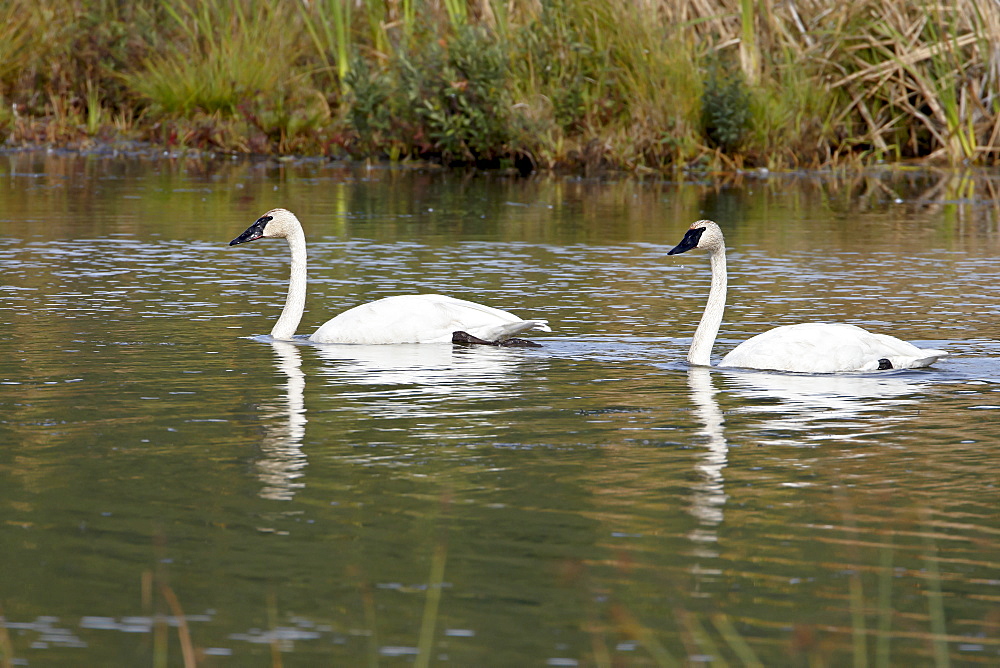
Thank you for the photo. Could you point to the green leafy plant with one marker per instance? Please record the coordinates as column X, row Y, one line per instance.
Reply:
column 370, row 115
column 458, row 96
column 448, row 99
column 725, row 109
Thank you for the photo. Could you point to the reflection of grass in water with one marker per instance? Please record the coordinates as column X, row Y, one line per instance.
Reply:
column 428, row 622
column 935, row 601
column 736, row 642
column 272, row 621
column 157, row 582
column 434, row 584
column 855, row 588
column 632, row 627
column 938, row 631
column 720, row 641
column 368, row 604
column 698, row 641
column 884, row 605
column 6, row 649
column 858, row 637
column 183, row 634
column 714, row 637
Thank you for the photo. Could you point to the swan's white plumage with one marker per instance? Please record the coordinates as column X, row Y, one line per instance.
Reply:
column 422, row 319
column 401, row 319
column 808, row 348
column 826, row 348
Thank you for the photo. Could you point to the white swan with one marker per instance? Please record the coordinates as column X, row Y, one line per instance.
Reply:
column 809, row 347
column 400, row 319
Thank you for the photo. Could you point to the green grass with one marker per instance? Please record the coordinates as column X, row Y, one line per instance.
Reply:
column 328, row 23
column 217, row 56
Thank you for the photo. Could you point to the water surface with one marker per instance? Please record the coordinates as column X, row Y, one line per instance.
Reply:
column 173, row 480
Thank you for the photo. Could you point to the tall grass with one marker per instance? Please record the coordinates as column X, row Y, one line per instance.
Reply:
column 216, row 56
column 14, row 47
column 604, row 83
column 328, row 23
column 609, row 86
column 920, row 77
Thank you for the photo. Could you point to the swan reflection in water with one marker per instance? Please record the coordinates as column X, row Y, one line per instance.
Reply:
column 282, row 462
column 804, row 408
column 456, row 386
column 708, row 495
column 796, row 409
column 422, row 380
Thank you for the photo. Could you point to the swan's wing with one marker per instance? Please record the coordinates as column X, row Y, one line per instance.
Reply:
column 827, row 348
column 422, row 319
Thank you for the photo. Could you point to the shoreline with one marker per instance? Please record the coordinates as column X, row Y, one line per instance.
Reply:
column 653, row 88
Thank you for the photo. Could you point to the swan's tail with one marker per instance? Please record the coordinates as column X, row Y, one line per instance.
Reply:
column 540, row 325
column 928, row 357
column 509, row 329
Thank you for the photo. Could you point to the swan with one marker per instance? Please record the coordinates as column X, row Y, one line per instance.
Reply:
column 809, row 347
column 401, row 319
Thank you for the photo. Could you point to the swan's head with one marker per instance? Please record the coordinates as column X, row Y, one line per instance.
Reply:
column 276, row 223
column 703, row 234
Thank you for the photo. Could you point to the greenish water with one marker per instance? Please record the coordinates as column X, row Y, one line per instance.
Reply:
column 169, row 473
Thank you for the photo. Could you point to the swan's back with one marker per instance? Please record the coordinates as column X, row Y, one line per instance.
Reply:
column 827, row 348
column 422, row 319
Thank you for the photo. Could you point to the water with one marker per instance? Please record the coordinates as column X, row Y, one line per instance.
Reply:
column 175, row 481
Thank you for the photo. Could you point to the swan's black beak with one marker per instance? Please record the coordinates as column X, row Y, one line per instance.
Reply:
column 689, row 241
column 255, row 231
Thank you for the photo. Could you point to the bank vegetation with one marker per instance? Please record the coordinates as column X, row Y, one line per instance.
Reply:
column 641, row 85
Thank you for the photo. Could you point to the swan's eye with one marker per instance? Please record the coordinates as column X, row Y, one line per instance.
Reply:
column 264, row 220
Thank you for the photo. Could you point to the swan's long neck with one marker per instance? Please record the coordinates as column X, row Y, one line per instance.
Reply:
column 704, row 337
column 295, row 302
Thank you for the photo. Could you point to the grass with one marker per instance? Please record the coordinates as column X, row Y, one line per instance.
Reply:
column 328, row 23
column 216, row 56
column 513, row 83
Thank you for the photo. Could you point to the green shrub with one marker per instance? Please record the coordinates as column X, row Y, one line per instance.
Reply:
column 444, row 99
column 458, row 95
column 370, row 115
column 725, row 108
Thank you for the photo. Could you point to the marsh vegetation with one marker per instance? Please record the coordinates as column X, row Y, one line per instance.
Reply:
column 637, row 85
